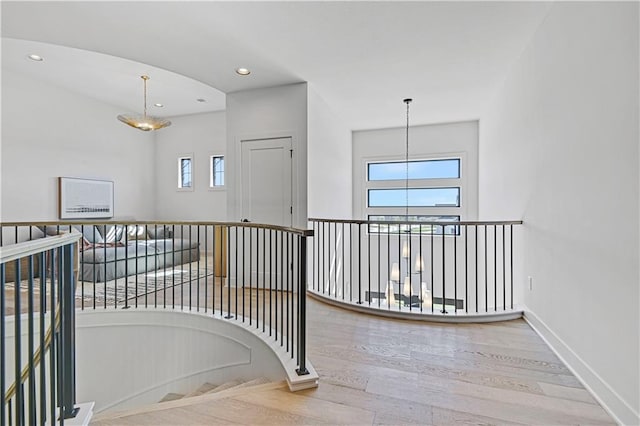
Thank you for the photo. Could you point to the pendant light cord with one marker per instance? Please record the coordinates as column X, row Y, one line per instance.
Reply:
column 407, row 101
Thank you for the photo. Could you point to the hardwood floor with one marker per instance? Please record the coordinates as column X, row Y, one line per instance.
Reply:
column 376, row 370
column 383, row 371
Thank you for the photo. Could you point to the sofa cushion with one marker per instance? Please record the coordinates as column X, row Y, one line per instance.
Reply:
column 136, row 232
column 158, row 232
column 111, row 233
column 90, row 233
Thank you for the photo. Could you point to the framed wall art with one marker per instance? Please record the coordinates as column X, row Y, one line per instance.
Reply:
column 84, row 198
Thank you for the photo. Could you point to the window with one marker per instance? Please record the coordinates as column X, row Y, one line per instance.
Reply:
column 425, row 169
column 414, row 197
column 216, row 171
column 185, row 173
column 433, row 194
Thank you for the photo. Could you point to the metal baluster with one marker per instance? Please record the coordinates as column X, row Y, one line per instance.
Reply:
column 43, row 310
column 219, row 268
column 476, row 264
column 287, row 282
column 126, row 266
column 227, row 275
column 54, row 334
column 389, row 283
column 137, row 233
column 455, row 270
column 206, row 272
column 329, row 257
column 18, row 341
column 359, row 263
column 190, row 273
column 343, row 268
column 495, row 268
column 197, row 267
column 504, row 273
column 444, row 296
column 264, row 276
column 251, row 274
column 2, row 348
column 67, row 304
column 466, row 272
column 31, row 346
column 379, row 272
column 302, row 307
column 511, row 255
column 350, row 262
column 243, row 268
column 313, row 257
column 486, row 279
column 433, row 283
column 369, row 263
column 271, row 271
column 323, row 262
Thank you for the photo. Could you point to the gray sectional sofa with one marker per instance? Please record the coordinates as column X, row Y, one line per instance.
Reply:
column 109, row 252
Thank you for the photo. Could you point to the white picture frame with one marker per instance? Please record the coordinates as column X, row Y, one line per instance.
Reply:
column 85, row 198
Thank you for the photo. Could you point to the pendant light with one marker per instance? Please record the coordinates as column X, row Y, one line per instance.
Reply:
column 144, row 122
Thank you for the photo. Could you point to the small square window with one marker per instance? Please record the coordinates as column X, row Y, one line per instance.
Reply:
column 185, row 173
column 216, row 171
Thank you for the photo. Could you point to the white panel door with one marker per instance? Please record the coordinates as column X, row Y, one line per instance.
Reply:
column 266, row 181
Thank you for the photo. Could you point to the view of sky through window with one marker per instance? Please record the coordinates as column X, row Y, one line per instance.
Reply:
column 426, row 169
column 418, row 197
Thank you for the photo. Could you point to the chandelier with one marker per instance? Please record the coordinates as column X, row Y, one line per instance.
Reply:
column 406, row 289
column 144, row 122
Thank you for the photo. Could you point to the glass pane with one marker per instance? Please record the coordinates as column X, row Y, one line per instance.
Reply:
column 416, row 197
column 418, row 228
column 185, row 172
column 217, row 171
column 426, row 169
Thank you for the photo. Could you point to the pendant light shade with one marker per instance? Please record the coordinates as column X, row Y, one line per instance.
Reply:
column 144, row 122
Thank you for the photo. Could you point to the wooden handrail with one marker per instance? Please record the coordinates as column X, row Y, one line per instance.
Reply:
column 417, row 222
column 67, row 224
column 33, row 247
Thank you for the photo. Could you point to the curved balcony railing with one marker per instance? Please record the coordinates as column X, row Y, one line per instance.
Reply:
column 246, row 273
column 439, row 270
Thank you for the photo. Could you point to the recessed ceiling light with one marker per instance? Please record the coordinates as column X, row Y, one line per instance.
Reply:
column 243, row 71
column 35, row 57
column 201, row 100
column 158, row 105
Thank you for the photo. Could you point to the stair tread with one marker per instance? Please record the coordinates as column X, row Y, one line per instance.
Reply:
column 204, row 388
column 258, row 381
column 182, row 402
column 172, row 397
column 224, row 386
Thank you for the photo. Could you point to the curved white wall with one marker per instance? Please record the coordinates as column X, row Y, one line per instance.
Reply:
column 135, row 357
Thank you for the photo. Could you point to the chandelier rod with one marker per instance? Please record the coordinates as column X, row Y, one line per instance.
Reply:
column 407, row 101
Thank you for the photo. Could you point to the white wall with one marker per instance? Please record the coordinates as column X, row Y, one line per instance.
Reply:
column 559, row 149
column 49, row 132
column 328, row 162
column 200, row 135
column 268, row 113
column 119, row 370
column 438, row 140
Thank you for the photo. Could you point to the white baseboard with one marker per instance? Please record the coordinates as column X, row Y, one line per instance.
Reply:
column 617, row 407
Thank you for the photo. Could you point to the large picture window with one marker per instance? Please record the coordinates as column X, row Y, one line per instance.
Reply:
column 432, row 188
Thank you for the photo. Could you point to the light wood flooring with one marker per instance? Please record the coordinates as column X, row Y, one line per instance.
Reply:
column 376, row 370
column 383, row 371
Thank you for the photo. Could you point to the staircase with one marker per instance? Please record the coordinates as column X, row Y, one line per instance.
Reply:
column 172, row 402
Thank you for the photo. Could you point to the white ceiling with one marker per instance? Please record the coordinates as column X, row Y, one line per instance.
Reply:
column 362, row 58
